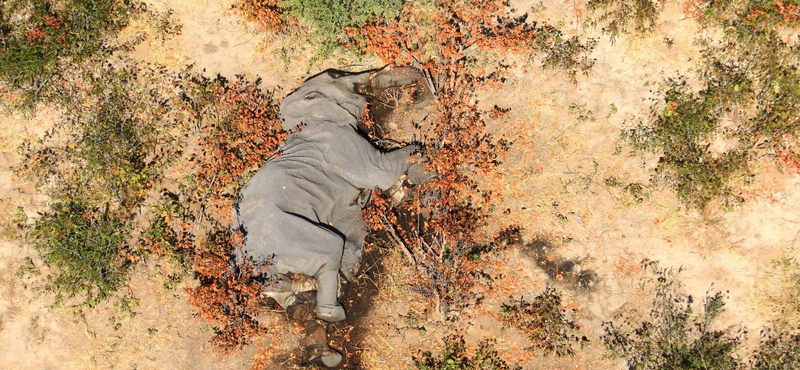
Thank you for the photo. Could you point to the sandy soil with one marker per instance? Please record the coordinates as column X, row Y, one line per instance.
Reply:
column 553, row 182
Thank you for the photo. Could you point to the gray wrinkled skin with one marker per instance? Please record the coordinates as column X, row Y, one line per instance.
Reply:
column 301, row 209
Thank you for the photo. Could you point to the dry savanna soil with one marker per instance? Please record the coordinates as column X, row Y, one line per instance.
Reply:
column 583, row 200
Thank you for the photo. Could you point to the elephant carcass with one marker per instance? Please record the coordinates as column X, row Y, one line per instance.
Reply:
column 300, row 213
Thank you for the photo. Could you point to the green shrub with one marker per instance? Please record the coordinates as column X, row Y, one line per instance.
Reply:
column 167, row 235
column 567, row 54
column 99, row 164
column 82, row 246
column 114, row 137
column 15, row 226
column 41, row 38
column 680, row 129
column 673, row 336
column 748, row 95
column 625, row 16
column 777, row 351
column 748, row 18
column 544, row 322
column 331, row 18
column 455, row 356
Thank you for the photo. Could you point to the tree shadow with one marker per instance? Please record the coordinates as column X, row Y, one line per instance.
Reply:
column 569, row 272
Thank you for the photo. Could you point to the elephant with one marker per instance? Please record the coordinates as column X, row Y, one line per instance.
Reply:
column 300, row 214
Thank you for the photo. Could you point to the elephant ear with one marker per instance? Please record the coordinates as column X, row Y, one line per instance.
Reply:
column 318, row 111
column 326, row 99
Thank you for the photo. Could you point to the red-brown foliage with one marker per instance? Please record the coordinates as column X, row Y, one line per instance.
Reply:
column 446, row 248
column 451, row 28
column 243, row 131
column 789, row 154
column 446, row 251
column 227, row 295
column 456, row 142
column 240, row 131
column 268, row 15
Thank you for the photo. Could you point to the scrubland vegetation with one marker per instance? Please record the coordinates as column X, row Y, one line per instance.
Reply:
column 144, row 162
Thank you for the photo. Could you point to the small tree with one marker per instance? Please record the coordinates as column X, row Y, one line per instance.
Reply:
column 626, row 16
column 455, row 356
column 673, row 337
column 544, row 322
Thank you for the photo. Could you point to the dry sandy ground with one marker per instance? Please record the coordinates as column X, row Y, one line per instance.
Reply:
column 553, row 183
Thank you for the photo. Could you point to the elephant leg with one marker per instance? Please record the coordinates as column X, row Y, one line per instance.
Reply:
column 328, row 307
column 315, row 333
column 353, row 247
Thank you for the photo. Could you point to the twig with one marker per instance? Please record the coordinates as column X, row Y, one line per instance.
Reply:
column 430, row 249
column 429, row 80
column 388, row 226
column 198, row 218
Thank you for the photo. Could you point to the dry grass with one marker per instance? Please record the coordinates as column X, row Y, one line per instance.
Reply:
column 391, row 338
column 777, row 293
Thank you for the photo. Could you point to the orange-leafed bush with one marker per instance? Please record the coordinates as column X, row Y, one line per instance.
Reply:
column 268, row 15
column 447, row 34
column 440, row 36
column 228, row 295
column 239, row 130
column 244, row 131
column 439, row 231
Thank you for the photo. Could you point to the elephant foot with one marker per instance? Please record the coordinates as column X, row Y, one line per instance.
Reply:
column 331, row 313
column 322, row 356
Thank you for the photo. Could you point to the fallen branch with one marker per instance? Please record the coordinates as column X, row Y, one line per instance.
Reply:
column 388, row 226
